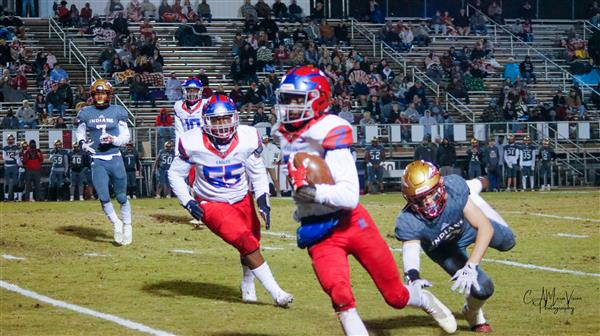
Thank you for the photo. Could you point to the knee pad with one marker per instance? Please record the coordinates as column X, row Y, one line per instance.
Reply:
column 397, row 298
column 486, row 288
column 121, row 198
column 341, row 296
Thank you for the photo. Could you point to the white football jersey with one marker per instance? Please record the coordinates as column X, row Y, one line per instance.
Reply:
column 322, row 136
column 187, row 118
column 222, row 174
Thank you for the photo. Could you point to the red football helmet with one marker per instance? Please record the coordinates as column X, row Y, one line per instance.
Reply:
column 304, row 93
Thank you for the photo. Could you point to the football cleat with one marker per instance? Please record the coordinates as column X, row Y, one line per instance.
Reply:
column 248, row 292
column 284, row 300
column 440, row 313
column 127, row 234
column 482, row 328
column 118, row 234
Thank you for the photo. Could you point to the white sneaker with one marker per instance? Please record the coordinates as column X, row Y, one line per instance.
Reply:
column 507, row 190
column 134, row 196
column 169, row 196
column 128, row 197
column 248, row 292
column 118, row 235
column 548, row 187
column 127, row 234
column 284, row 300
column 72, row 199
column 440, row 313
column 543, row 188
column 157, row 196
column 81, row 198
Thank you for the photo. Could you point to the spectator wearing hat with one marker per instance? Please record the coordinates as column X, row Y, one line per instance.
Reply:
column 164, row 124
column 26, row 115
column 271, row 156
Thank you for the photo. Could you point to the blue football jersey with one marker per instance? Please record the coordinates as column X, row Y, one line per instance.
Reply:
column 450, row 227
column 99, row 122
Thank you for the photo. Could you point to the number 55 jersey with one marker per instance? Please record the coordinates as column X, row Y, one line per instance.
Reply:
column 222, row 172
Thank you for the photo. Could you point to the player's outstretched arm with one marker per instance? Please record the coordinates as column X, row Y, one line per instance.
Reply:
column 345, row 192
column 177, row 173
column 484, row 228
column 411, row 260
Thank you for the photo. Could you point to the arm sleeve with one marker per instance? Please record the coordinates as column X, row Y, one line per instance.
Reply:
column 344, row 193
column 257, row 174
column 80, row 133
column 124, row 135
column 411, row 255
column 177, row 173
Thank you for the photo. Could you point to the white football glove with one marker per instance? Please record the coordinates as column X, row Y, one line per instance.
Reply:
column 465, row 278
column 87, row 146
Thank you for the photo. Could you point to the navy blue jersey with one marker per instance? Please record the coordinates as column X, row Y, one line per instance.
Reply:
column 547, row 154
column 99, row 122
column 130, row 159
column 450, row 227
column 10, row 155
column 59, row 159
column 165, row 158
column 77, row 160
column 375, row 154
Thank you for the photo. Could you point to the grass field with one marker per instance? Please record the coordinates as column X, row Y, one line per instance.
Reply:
column 197, row 294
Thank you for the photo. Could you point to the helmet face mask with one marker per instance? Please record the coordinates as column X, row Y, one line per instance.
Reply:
column 101, row 91
column 423, row 188
column 192, row 91
column 304, row 94
column 220, row 118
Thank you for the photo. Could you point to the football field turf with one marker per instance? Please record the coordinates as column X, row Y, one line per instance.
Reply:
column 183, row 281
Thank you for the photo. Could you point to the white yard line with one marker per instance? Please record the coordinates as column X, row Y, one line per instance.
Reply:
column 272, row 248
column 84, row 311
column 543, row 268
column 570, row 235
column 525, row 213
column 94, row 254
column 11, row 257
column 183, row 251
column 279, row 234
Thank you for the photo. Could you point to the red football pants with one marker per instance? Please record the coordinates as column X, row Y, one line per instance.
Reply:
column 237, row 224
column 356, row 234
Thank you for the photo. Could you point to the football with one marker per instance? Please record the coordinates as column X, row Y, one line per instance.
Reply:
column 317, row 171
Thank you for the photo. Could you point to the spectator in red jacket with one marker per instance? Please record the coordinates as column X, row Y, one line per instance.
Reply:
column 164, row 123
column 32, row 161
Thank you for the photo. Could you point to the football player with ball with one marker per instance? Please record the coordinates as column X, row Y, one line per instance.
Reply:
column 445, row 215
column 333, row 224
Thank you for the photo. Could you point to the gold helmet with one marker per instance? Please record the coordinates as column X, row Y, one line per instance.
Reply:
column 527, row 140
column 511, row 138
column 546, row 142
column 101, row 92
column 423, row 188
column 474, row 142
column 168, row 145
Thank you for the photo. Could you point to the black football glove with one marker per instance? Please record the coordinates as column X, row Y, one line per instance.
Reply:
column 413, row 278
column 194, row 209
column 264, row 208
column 305, row 194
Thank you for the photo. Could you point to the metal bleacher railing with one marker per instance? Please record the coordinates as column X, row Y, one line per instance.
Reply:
column 70, row 51
column 548, row 63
